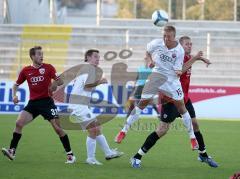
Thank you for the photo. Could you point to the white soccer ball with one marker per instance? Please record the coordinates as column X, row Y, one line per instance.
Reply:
column 160, row 18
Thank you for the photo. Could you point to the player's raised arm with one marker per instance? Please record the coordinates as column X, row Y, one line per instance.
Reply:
column 96, row 83
column 193, row 59
column 55, row 84
column 57, row 79
column 206, row 61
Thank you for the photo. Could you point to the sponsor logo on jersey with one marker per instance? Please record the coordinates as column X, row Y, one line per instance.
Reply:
column 41, row 71
column 166, row 58
column 36, row 79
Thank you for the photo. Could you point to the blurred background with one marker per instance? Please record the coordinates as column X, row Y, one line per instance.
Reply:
column 67, row 28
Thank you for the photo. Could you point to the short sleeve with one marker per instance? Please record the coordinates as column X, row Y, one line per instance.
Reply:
column 53, row 73
column 21, row 78
column 151, row 46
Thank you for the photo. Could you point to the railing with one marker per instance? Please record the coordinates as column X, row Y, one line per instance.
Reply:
column 223, row 50
column 6, row 12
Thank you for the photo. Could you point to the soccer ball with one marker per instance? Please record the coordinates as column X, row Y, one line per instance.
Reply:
column 159, row 18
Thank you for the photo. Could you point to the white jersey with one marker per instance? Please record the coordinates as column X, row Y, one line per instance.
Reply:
column 86, row 77
column 80, row 97
column 167, row 61
column 79, row 84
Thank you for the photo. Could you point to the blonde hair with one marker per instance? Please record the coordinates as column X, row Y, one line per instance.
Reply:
column 170, row 28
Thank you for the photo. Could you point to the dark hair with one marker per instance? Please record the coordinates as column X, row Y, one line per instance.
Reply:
column 184, row 38
column 170, row 28
column 89, row 53
column 32, row 51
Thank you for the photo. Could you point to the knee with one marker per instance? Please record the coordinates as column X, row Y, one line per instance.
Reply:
column 19, row 124
column 162, row 131
column 131, row 107
column 143, row 103
column 97, row 130
column 181, row 107
column 93, row 132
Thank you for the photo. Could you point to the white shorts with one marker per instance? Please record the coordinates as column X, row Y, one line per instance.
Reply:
column 172, row 89
column 169, row 87
column 82, row 115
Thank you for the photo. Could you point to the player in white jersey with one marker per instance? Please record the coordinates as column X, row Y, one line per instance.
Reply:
column 167, row 55
column 80, row 112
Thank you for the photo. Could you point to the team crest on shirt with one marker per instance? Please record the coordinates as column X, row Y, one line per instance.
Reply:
column 41, row 71
column 174, row 55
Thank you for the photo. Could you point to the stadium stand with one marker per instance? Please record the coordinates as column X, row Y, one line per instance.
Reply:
column 64, row 46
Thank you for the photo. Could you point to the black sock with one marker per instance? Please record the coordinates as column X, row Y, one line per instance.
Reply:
column 137, row 156
column 148, row 144
column 204, row 154
column 15, row 140
column 200, row 140
column 66, row 144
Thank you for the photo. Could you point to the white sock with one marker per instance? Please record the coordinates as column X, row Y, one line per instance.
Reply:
column 134, row 116
column 91, row 147
column 140, row 151
column 101, row 140
column 187, row 121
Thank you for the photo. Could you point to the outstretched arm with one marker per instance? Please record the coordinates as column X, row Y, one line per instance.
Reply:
column 98, row 82
column 198, row 56
column 55, row 84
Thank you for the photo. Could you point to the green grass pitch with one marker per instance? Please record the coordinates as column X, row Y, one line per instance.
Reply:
column 41, row 155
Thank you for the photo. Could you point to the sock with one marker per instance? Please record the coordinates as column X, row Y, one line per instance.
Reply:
column 148, row 144
column 202, row 148
column 15, row 140
column 187, row 121
column 139, row 154
column 91, row 147
column 134, row 116
column 203, row 153
column 101, row 140
column 66, row 144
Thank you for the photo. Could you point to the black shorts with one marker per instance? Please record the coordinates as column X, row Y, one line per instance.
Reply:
column 137, row 92
column 169, row 111
column 44, row 107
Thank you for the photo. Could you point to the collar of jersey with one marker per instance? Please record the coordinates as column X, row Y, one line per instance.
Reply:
column 36, row 67
column 171, row 48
